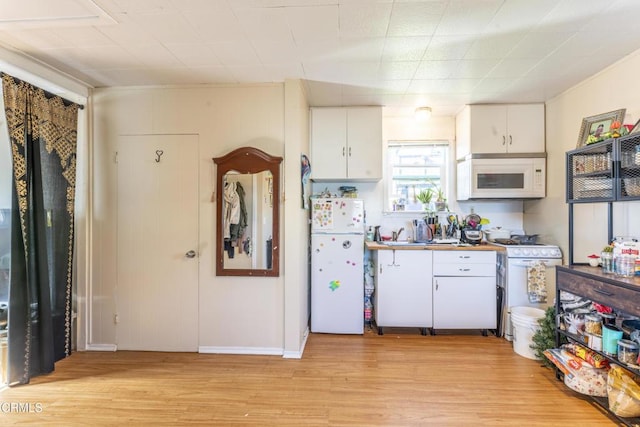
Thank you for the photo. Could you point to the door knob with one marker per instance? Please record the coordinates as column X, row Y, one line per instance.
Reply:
column 190, row 254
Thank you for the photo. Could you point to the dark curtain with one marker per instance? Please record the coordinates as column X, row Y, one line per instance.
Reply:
column 43, row 135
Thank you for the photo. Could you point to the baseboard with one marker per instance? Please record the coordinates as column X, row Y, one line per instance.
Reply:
column 241, row 350
column 297, row 354
column 101, row 347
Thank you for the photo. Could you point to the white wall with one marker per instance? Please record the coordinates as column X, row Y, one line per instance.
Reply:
column 296, row 228
column 236, row 314
column 614, row 88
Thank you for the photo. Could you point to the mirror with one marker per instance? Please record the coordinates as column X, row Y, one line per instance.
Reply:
column 247, row 213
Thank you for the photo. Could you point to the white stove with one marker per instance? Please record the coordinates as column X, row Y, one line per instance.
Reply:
column 513, row 267
column 532, row 251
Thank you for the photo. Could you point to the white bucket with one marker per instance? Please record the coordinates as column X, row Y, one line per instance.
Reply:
column 525, row 324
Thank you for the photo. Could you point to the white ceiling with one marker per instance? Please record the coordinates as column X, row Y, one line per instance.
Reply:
column 397, row 53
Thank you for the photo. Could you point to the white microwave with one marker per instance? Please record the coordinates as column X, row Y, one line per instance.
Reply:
column 505, row 177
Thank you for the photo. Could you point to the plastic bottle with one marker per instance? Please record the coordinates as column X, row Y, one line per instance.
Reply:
column 625, row 265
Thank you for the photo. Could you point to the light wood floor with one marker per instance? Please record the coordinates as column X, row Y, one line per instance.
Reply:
column 399, row 379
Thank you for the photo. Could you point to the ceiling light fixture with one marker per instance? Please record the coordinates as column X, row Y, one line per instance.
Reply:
column 423, row 113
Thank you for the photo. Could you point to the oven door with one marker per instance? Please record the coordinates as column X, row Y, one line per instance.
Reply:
column 516, row 290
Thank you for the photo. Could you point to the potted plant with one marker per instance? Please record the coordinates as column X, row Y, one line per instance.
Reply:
column 441, row 200
column 424, row 197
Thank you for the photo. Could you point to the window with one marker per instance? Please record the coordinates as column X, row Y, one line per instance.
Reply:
column 413, row 167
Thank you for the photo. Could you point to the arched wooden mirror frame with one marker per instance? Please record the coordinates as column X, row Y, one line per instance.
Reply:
column 247, row 160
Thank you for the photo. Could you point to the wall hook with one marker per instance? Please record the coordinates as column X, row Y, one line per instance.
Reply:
column 159, row 154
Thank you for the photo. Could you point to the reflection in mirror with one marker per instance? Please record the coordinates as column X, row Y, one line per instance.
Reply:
column 247, row 213
column 247, row 209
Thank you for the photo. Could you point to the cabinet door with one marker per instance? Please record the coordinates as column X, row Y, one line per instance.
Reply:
column 364, row 143
column 403, row 290
column 463, row 133
column 508, row 128
column 525, row 127
column 328, row 143
column 488, row 131
column 464, row 303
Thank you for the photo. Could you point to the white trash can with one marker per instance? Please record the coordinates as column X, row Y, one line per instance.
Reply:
column 525, row 324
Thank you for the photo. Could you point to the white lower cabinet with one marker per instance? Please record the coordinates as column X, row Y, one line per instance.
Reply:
column 464, row 303
column 403, row 296
column 453, row 289
column 464, row 290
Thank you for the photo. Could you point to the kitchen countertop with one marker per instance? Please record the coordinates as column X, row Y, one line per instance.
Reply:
column 377, row 246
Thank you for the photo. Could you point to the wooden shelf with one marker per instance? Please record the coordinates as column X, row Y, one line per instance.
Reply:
column 620, row 293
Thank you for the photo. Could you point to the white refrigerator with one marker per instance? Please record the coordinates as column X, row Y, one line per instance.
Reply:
column 337, row 265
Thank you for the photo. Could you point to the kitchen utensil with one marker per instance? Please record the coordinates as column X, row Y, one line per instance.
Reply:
column 610, row 336
column 472, row 236
column 629, row 326
column 497, row 233
column 526, row 239
column 506, row 241
column 376, row 234
column 472, row 221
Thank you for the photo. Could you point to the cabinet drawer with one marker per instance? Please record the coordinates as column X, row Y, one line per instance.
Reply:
column 464, row 269
column 471, row 257
column 605, row 293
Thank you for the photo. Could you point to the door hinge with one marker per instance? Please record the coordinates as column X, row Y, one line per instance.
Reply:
column 115, row 157
column 116, row 319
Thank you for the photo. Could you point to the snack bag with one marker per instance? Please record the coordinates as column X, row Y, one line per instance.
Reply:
column 579, row 375
column 591, row 357
column 624, row 392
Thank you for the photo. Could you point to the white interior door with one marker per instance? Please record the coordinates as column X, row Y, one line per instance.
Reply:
column 157, row 290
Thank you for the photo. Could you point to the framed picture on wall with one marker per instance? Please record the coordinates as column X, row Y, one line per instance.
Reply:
column 598, row 128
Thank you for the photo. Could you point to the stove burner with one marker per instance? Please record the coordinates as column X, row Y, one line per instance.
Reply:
column 513, row 242
column 507, row 241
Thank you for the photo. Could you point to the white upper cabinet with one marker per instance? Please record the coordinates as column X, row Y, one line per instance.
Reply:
column 346, row 144
column 498, row 129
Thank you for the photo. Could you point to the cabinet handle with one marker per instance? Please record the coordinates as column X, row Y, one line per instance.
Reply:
column 464, row 269
column 504, row 140
column 510, row 140
column 464, row 256
column 599, row 291
column 437, row 285
column 349, row 151
column 344, row 150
